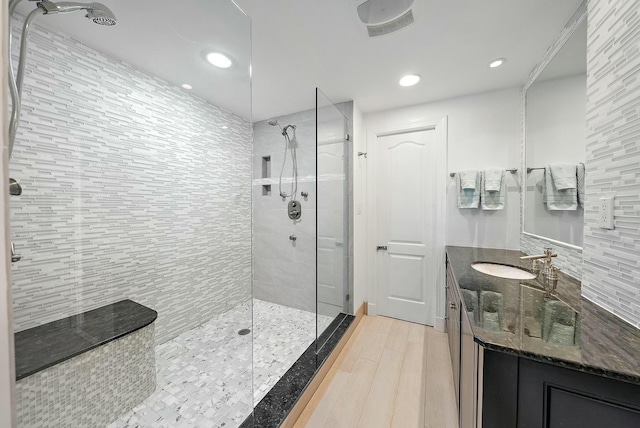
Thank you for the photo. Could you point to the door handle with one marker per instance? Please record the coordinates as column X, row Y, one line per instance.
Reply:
column 381, row 247
column 453, row 306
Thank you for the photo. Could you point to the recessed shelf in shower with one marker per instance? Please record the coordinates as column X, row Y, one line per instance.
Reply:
column 266, row 173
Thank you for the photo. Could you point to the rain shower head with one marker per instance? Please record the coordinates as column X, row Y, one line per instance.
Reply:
column 96, row 12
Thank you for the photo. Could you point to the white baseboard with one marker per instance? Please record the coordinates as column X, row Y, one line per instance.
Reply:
column 372, row 309
column 440, row 324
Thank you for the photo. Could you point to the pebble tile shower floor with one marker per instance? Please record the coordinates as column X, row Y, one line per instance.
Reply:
column 204, row 375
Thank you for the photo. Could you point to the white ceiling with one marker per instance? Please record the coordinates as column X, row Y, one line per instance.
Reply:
column 301, row 44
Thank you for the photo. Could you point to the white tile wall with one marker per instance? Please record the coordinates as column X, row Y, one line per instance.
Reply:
column 612, row 258
column 132, row 189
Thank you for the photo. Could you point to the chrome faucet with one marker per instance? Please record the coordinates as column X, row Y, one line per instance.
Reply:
column 549, row 271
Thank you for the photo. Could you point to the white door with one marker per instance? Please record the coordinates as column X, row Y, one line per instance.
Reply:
column 406, row 196
column 331, row 248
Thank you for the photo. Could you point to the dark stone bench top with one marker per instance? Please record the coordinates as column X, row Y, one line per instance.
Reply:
column 49, row 344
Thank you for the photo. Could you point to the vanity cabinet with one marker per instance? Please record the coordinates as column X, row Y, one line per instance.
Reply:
column 555, row 397
column 454, row 303
column 504, row 389
column 464, row 353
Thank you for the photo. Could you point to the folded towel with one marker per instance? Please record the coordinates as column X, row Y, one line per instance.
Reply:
column 555, row 199
column 580, row 179
column 564, row 176
column 493, row 178
column 493, row 200
column 468, row 198
column 468, row 179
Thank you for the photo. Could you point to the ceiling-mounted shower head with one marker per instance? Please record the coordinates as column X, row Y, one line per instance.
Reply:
column 96, row 12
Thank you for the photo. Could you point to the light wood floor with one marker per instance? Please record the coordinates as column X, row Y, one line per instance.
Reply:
column 390, row 373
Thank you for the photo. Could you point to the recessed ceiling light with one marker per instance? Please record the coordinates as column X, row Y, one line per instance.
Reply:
column 219, row 60
column 409, row 80
column 187, row 86
column 497, row 62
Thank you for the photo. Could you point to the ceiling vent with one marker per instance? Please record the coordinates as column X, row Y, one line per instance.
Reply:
column 385, row 16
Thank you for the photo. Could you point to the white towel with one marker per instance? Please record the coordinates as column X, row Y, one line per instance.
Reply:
column 564, row 176
column 555, row 199
column 468, row 180
column 493, row 178
column 468, row 198
column 580, row 180
column 493, row 200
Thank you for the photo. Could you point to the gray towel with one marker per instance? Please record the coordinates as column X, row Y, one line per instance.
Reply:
column 558, row 200
column 493, row 178
column 493, row 200
column 468, row 198
column 563, row 175
column 468, row 180
column 580, row 180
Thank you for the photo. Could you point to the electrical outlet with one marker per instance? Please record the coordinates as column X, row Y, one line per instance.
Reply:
column 605, row 212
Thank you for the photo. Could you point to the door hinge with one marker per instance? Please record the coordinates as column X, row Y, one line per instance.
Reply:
column 347, row 137
column 348, row 297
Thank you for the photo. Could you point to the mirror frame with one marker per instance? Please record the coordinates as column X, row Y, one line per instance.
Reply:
column 571, row 26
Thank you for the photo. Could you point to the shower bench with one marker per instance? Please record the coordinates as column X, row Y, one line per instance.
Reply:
column 86, row 369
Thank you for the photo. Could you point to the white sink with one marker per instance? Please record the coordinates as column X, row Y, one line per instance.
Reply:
column 502, row 271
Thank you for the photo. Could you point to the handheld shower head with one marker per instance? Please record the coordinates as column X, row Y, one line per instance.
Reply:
column 283, row 131
column 96, row 12
column 275, row 123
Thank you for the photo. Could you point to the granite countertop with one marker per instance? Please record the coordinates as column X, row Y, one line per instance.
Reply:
column 49, row 344
column 514, row 316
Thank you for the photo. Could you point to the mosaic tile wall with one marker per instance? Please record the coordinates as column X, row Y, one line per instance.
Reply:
column 612, row 257
column 133, row 189
column 92, row 389
column 569, row 260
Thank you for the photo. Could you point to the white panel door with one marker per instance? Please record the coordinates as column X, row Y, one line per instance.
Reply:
column 331, row 193
column 406, row 211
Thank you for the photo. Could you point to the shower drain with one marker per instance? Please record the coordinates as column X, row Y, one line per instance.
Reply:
column 244, row 331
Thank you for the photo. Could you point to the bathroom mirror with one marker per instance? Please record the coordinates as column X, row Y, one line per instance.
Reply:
column 555, row 135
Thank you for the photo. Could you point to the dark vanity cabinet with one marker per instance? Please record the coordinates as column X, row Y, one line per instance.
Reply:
column 501, row 387
column 557, row 397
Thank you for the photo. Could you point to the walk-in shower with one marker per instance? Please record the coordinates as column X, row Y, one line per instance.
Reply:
column 157, row 284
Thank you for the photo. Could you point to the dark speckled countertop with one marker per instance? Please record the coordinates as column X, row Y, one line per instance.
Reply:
column 514, row 316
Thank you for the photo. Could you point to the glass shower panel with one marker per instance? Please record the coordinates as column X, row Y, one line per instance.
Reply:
column 332, row 241
column 133, row 153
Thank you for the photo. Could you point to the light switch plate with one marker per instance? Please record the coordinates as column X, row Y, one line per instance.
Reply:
column 605, row 212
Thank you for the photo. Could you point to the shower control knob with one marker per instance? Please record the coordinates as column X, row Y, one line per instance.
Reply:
column 14, row 257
